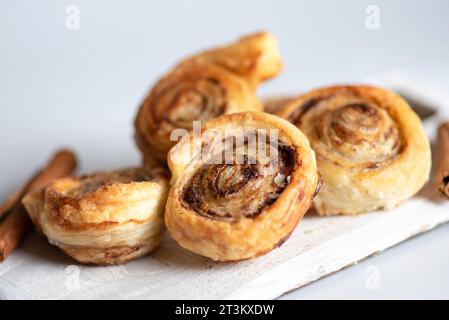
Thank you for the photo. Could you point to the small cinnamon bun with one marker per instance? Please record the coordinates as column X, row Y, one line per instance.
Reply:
column 371, row 149
column 103, row 218
column 239, row 189
column 202, row 87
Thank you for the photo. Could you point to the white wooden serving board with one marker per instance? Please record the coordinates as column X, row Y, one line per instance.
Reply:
column 319, row 246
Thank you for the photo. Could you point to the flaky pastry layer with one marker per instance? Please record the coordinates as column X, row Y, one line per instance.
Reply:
column 371, row 149
column 103, row 218
column 239, row 210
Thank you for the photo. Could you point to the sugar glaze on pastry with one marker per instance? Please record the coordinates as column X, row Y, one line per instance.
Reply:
column 103, row 218
column 371, row 149
column 233, row 210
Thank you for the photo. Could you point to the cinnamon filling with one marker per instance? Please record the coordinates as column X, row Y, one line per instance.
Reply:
column 230, row 191
column 295, row 117
column 351, row 129
column 353, row 122
column 179, row 104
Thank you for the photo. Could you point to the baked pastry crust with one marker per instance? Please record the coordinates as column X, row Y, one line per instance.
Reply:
column 371, row 149
column 229, row 210
column 254, row 57
column 205, row 86
column 103, row 218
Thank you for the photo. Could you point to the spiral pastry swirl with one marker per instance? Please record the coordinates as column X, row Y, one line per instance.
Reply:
column 103, row 218
column 243, row 192
column 371, row 149
column 205, row 86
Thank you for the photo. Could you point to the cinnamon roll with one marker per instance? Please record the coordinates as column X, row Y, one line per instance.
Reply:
column 103, row 218
column 371, row 149
column 202, row 87
column 240, row 188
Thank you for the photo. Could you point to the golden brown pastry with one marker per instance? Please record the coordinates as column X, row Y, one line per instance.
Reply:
column 271, row 105
column 103, row 218
column 240, row 188
column 203, row 87
column 254, row 57
column 371, row 149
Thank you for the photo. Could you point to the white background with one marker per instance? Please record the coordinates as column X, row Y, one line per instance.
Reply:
column 81, row 88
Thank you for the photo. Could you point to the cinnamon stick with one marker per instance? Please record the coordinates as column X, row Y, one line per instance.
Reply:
column 442, row 162
column 10, row 201
column 14, row 219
